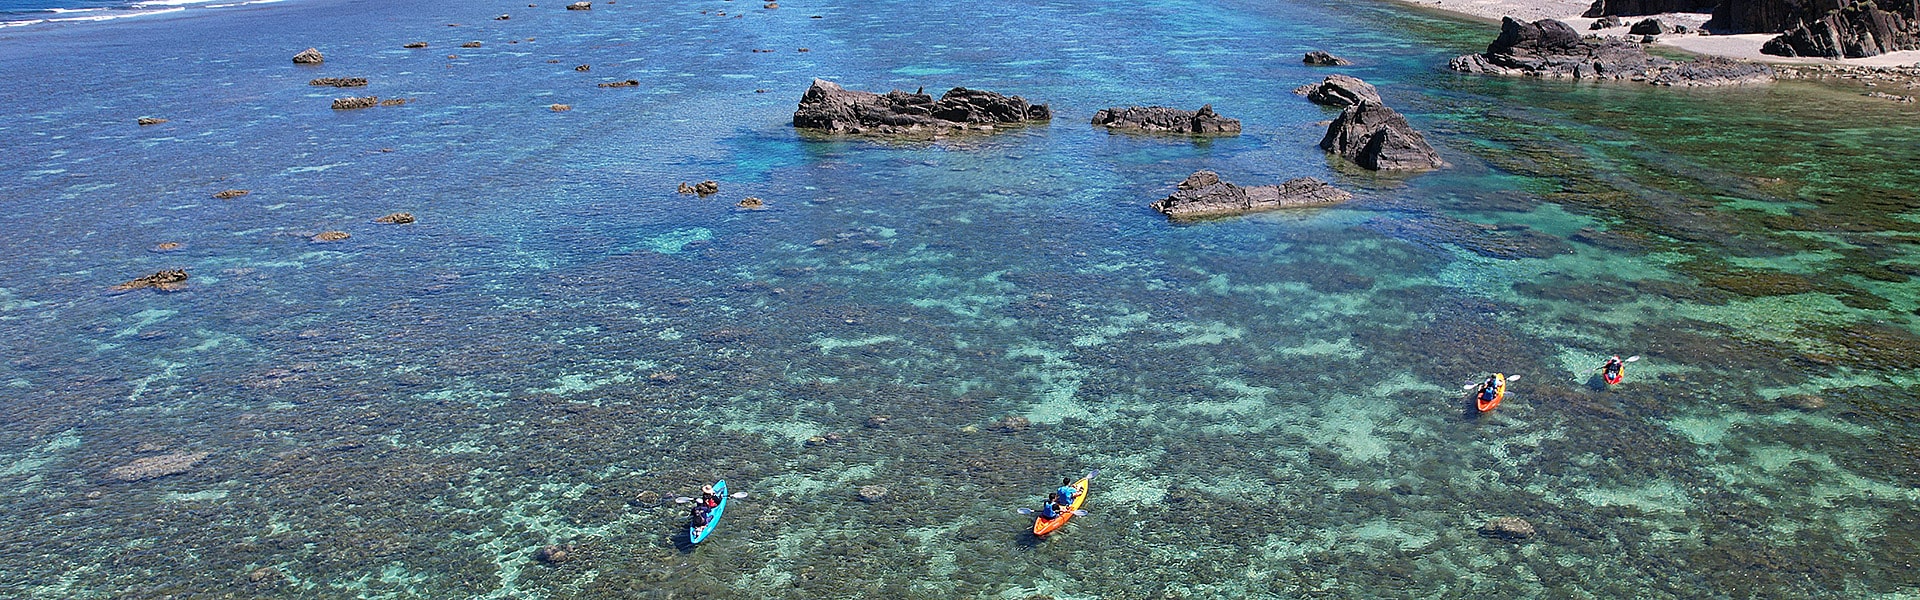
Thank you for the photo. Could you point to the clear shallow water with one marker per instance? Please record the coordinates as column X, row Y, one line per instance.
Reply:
column 1273, row 400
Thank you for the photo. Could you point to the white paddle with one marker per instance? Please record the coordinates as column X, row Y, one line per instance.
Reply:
column 1476, row 384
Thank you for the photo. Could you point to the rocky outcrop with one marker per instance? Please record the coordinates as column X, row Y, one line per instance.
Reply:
column 230, row 194
column 1856, row 31
column 704, row 188
column 414, row 45
column 871, row 493
column 1204, row 195
column 308, row 56
column 472, row 44
column 751, row 203
column 1512, row 529
column 1550, row 49
column 165, row 281
column 157, row 466
column 580, row 6
column 1320, row 58
column 340, row 81
column 144, row 121
column 1378, row 138
column 1656, row 27
column 1340, row 90
column 356, row 103
column 1158, row 119
column 559, row 107
column 1640, row 8
column 330, row 236
column 1605, row 23
column 398, row 218
column 829, row 108
column 1774, row 16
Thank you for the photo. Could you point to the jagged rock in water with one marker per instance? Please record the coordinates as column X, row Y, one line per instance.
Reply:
column 585, row 68
column 1322, row 59
column 398, row 218
column 580, row 6
column 340, row 81
column 1512, row 529
column 355, row 103
column 414, row 45
column 157, row 466
column 331, row 236
column 1605, row 23
column 704, row 188
column 309, row 56
column 554, row 554
column 472, row 44
column 1641, row 8
column 620, row 84
column 829, row 108
column 144, row 121
column 1856, row 31
column 503, row 17
column 230, row 194
column 751, row 203
column 1159, row 119
column 1550, row 49
column 1376, row 137
column 560, row 107
column 1204, row 195
column 165, row 281
column 1340, row 90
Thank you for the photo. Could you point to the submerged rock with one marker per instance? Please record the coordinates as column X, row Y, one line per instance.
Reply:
column 1203, row 195
column 1550, row 49
column 872, row 493
column 157, row 466
column 1158, row 119
column 1375, row 137
column 1340, row 90
column 1322, row 59
column 166, row 281
column 1803, row 402
column 1512, row 529
column 554, row 554
column 829, row 108
column 310, row 56
column 1010, row 424
column 340, row 81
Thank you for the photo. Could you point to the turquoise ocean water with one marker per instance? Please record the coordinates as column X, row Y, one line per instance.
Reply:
column 562, row 344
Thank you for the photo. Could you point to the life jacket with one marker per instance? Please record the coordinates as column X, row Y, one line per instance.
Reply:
column 1066, row 494
column 1488, row 392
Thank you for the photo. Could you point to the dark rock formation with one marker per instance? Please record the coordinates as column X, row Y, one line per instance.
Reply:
column 752, row 203
column 1340, row 90
column 230, row 194
column 580, row 6
column 165, row 281
column 308, row 56
column 355, row 103
column 1321, row 59
column 340, row 81
column 398, row 218
column 144, row 121
column 1550, row 49
column 1512, row 529
column 1774, row 16
column 330, row 236
column 1204, row 195
column 1605, row 23
column 828, row 107
column 1375, row 137
column 503, row 17
column 1159, row 119
column 472, row 44
column 704, row 188
column 157, row 466
column 585, row 68
column 620, row 84
column 414, row 45
column 1654, row 27
column 1639, row 8
column 1856, row 31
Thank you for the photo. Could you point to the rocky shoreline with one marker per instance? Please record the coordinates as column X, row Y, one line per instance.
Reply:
column 1551, row 49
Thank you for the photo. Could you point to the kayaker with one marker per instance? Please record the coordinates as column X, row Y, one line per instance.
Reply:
column 1490, row 389
column 1066, row 492
column 702, row 515
column 707, row 497
column 1051, row 508
column 1613, row 367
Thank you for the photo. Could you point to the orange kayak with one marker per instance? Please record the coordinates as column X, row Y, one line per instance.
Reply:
column 1042, row 527
column 1499, row 393
column 1613, row 378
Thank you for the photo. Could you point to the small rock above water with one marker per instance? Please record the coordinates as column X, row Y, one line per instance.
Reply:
column 620, row 84
column 330, row 236
column 1512, row 529
column 704, row 188
column 829, row 108
column 399, row 218
column 1340, row 90
column 1321, row 58
column 1159, row 119
column 144, row 121
column 310, row 56
column 230, row 194
column 414, row 45
column 165, row 281
column 580, row 6
column 157, row 466
column 1203, row 195
column 1551, row 49
column 340, row 81
column 355, row 103
column 1375, row 137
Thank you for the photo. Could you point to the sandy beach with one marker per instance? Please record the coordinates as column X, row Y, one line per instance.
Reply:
column 1742, row 46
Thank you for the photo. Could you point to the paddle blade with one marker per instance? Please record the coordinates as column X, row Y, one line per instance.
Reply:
column 1024, row 511
column 1512, row 378
column 682, row 500
column 1632, row 358
column 1080, row 513
column 1093, row 473
column 737, row 495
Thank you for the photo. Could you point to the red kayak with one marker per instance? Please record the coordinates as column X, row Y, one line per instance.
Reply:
column 1499, row 393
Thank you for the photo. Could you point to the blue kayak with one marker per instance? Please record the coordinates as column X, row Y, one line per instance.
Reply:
column 695, row 534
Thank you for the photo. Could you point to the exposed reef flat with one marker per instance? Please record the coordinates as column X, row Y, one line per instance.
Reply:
column 829, row 108
column 1204, row 195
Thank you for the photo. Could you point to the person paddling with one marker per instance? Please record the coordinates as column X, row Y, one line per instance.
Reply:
column 1490, row 389
column 1064, row 495
column 707, row 497
column 1614, row 368
column 702, row 515
column 1051, row 508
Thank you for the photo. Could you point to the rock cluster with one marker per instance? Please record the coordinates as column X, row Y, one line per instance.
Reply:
column 585, row 68
column 1159, row 119
column 1550, row 49
column 1855, row 31
column 340, row 81
column 829, row 108
column 704, row 188
column 1322, row 59
column 1512, row 529
column 309, row 56
column 157, row 466
column 1605, row 23
column 1204, row 195
column 165, row 281
column 751, row 203
column 1376, row 137
column 353, row 103
column 398, row 218
column 1340, row 90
